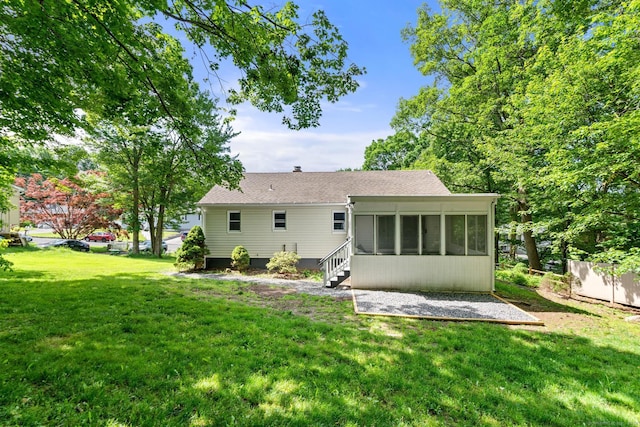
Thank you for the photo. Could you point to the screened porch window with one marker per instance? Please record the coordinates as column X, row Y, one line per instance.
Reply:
column 375, row 234
column 386, row 234
column 431, row 235
column 364, row 234
column 454, row 230
column 476, row 235
column 409, row 239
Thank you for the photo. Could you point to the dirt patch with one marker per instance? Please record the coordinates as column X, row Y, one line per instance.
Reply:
column 271, row 291
column 561, row 313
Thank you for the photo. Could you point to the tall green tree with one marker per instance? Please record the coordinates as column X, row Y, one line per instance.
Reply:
column 536, row 100
column 59, row 58
column 157, row 174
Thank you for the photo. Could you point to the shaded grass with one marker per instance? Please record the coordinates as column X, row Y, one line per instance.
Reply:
column 89, row 339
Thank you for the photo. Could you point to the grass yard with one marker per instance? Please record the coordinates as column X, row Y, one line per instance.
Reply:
column 91, row 339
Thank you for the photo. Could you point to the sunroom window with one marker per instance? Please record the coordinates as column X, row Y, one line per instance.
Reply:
column 409, row 238
column 454, row 230
column 476, row 234
column 364, row 234
column 386, row 234
column 431, row 235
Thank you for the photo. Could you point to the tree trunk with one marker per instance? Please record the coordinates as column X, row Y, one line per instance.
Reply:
column 157, row 243
column 529, row 240
column 135, row 216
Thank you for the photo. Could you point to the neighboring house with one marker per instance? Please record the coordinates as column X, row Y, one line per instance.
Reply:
column 387, row 229
column 190, row 220
column 11, row 218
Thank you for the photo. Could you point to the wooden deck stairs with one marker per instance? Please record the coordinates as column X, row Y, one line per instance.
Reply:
column 335, row 266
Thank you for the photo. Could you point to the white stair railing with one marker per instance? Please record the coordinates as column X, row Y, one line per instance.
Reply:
column 337, row 261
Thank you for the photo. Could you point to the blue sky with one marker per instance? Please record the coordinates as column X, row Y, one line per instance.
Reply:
column 372, row 29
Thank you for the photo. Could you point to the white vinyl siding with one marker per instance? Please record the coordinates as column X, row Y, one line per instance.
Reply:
column 447, row 273
column 11, row 217
column 309, row 231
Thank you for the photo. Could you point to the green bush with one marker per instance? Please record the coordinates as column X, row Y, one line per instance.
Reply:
column 283, row 262
column 190, row 256
column 240, row 258
column 556, row 282
column 520, row 268
column 518, row 278
column 5, row 264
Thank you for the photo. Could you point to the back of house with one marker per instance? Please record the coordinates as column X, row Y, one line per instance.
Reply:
column 402, row 229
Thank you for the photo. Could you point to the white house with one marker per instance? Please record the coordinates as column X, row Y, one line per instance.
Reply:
column 386, row 229
column 11, row 217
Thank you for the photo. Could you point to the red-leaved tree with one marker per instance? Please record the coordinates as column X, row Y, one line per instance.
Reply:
column 71, row 208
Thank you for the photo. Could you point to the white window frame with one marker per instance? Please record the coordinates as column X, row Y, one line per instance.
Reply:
column 229, row 230
column 273, row 217
column 334, row 222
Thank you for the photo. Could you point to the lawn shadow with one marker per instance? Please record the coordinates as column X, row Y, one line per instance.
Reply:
column 528, row 299
column 138, row 350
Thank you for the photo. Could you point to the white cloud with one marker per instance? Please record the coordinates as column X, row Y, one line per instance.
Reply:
column 264, row 151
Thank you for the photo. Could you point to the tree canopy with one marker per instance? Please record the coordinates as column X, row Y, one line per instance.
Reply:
column 73, row 207
column 60, row 59
column 539, row 101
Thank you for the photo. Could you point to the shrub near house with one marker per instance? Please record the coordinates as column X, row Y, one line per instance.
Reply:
column 240, row 258
column 190, row 256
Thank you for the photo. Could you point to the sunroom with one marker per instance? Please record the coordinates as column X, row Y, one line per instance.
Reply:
column 422, row 242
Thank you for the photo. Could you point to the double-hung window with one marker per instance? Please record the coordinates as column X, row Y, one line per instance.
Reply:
column 233, row 220
column 339, row 221
column 279, row 220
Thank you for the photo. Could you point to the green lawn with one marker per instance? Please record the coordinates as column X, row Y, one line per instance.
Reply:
column 92, row 339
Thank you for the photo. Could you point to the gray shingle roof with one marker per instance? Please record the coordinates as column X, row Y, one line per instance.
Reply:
column 326, row 187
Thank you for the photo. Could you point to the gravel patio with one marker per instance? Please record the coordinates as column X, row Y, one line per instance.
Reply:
column 424, row 305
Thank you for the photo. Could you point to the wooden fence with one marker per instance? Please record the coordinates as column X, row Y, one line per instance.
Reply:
column 601, row 284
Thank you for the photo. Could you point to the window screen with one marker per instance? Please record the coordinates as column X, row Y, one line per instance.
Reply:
column 431, row 234
column 476, row 235
column 454, row 229
column 364, row 234
column 386, row 234
column 410, row 233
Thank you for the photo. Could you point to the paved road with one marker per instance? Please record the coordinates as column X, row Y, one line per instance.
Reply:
column 172, row 244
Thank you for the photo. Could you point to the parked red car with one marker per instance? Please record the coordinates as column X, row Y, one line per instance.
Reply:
column 100, row 236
